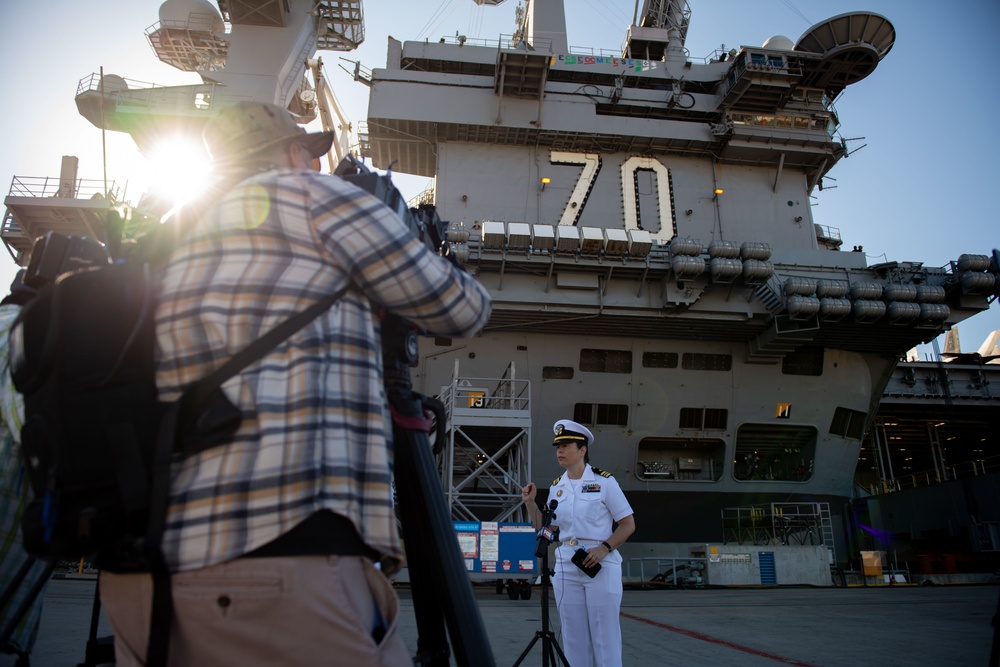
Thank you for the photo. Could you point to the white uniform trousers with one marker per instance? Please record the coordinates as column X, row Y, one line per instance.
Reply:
column 588, row 611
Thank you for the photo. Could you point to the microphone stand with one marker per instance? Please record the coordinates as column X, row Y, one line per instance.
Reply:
column 550, row 647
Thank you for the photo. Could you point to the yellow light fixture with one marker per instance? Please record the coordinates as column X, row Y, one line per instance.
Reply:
column 545, row 181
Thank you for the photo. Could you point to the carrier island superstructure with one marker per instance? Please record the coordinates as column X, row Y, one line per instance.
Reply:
column 642, row 219
column 643, row 222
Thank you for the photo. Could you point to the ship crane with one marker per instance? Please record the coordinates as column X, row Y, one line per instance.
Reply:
column 328, row 106
column 225, row 48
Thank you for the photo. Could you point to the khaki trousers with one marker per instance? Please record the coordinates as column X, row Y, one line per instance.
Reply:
column 290, row 611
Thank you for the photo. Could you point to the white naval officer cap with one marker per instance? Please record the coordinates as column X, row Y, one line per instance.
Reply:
column 567, row 430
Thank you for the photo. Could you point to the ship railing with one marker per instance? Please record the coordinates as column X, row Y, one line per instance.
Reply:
column 512, row 42
column 11, row 233
column 673, row 571
column 963, row 470
column 777, row 523
column 196, row 21
column 503, row 393
column 199, row 97
column 828, row 236
column 52, row 186
column 504, row 41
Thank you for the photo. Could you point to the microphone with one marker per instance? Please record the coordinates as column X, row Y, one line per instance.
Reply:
column 546, row 534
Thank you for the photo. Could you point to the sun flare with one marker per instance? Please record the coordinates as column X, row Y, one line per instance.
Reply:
column 179, row 170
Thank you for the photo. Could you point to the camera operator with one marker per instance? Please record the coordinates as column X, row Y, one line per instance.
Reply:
column 590, row 502
column 272, row 537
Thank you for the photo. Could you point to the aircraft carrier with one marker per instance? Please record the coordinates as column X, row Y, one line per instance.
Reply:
column 642, row 220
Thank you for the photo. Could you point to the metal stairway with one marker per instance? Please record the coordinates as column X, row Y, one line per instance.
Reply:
column 486, row 459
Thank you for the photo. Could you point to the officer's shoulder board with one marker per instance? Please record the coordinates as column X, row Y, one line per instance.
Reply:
column 556, row 480
column 598, row 471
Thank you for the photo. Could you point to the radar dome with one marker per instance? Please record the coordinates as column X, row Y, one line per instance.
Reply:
column 195, row 14
column 112, row 84
column 779, row 43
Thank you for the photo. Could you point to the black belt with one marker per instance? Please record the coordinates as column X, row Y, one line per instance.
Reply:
column 324, row 533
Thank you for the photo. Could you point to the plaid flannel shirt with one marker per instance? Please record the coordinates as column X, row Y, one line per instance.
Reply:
column 316, row 433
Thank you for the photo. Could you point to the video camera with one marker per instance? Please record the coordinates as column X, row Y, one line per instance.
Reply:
column 399, row 339
column 423, row 221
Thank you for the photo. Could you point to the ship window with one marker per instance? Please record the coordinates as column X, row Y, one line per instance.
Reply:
column 848, row 423
column 783, row 121
column 601, row 414
column 442, row 342
column 716, row 419
column 697, row 361
column 801, row 123
column 557, row 372
column 742, row 118
column 772, row 452
column 680, row 459
column 763, row 119
column 659, row 360
column 758, row 59
column 803, row 361
column 774, row 60
column 605, row 361
column 713, row 419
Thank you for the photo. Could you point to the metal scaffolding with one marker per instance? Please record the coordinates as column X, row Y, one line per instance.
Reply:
column 486, row 459
column 780, row 523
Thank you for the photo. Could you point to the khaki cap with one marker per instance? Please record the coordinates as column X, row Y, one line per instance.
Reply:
column 243, row 129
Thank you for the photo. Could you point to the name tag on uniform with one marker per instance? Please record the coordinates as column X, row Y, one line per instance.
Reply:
column 591, row 488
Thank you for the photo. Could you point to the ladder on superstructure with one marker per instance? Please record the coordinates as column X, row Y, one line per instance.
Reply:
column 486, row 458
column 826, row 530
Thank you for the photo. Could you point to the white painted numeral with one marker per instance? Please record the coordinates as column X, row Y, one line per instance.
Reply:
column 591, row 163
column 630, row 198
column 591, row 166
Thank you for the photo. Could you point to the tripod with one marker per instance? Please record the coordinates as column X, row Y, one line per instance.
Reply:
column 550, row 647
column 441, row 589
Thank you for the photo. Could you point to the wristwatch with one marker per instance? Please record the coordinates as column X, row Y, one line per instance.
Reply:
column 607, row 546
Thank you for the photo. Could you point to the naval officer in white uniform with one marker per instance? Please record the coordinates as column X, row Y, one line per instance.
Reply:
column 590, row 502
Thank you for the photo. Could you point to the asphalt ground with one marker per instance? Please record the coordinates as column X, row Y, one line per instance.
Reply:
column 821, row 627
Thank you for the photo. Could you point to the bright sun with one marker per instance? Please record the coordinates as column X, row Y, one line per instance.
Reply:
column 179, row 169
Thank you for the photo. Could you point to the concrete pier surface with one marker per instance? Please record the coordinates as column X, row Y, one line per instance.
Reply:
column 822, row 627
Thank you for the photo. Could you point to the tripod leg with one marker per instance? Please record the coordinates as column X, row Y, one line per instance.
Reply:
column 527, row 649
column 550, row 647
column 559, row 650
column 431, row 545
column 101, row 650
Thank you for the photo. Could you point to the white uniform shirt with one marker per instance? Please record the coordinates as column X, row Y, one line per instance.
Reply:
column 588, row 512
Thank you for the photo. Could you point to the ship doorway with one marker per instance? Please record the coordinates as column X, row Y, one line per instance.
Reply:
column 774, row 452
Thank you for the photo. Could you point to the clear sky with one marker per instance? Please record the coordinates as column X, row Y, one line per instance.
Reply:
column 920, row 190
